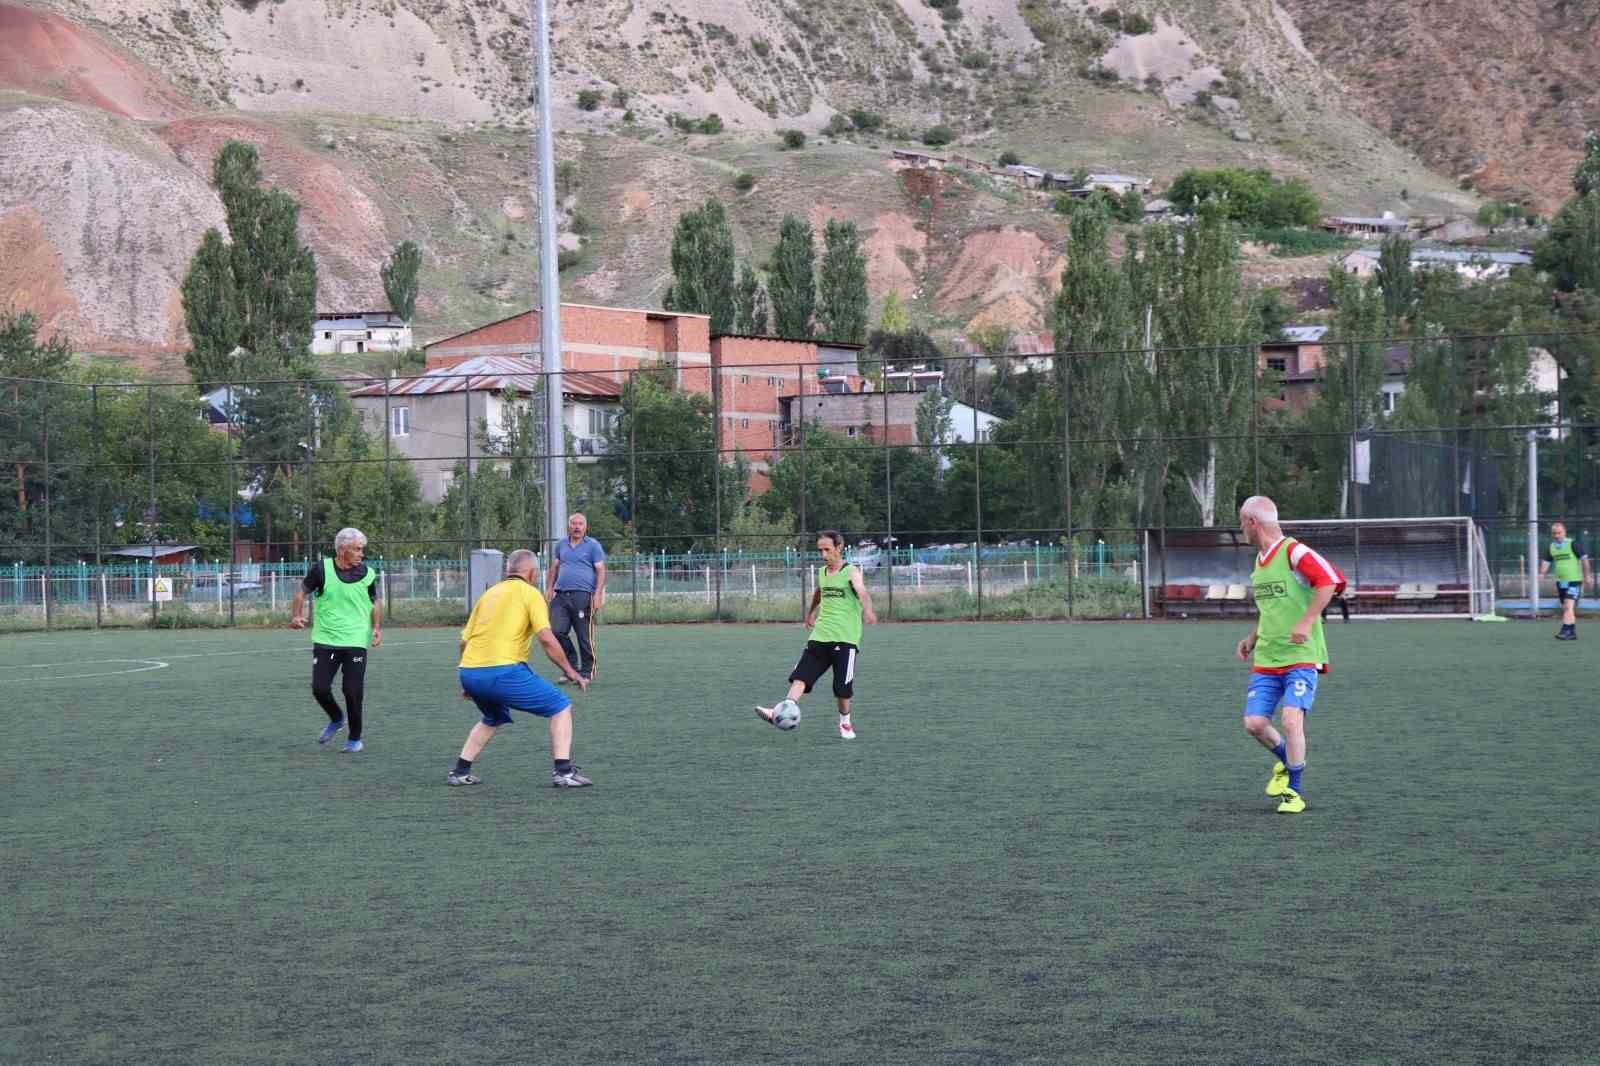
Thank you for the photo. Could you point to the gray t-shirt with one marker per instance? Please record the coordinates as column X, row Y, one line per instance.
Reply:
column 577, row 564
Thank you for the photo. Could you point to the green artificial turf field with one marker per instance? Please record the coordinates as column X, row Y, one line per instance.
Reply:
column 1049, row 844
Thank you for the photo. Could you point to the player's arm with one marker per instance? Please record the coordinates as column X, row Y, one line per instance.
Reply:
column 550, row 576
column 811, row 612
column 1248, row 644
column 1326, row 583
column 599, row 600
column 377, row 621
column 859, row 583
column 552, row 649
column 297, row 605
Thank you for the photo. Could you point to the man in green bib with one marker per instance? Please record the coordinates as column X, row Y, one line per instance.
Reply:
column 1292, row 585
column 1571, row 564
column 838, row 607
column 345, row 625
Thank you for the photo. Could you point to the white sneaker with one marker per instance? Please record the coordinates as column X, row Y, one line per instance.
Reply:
column 765, row 714
column 846, row 730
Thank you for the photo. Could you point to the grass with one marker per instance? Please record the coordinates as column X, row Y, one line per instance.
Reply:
column 1049, row 845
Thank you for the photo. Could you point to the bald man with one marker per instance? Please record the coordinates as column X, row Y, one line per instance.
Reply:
column 1292, row 586
column 576, row 590
column 494, row 671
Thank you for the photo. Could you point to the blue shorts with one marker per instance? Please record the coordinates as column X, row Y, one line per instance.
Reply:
column 1569, row 590
column 498, row 690
column 1297, row 688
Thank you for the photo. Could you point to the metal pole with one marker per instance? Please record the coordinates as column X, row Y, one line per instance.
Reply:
column 549, row 279
column 888, row 499
column 1533, row 523
column 633, row 485
column 150, row 433
column 469, row 531
column 311, row 443
column 1066, row 466
column 99, row 477
column 233, row 498
column 388, row 493
column 977, row 485
column 800, row 401
column 1256, row 364
column 716, row 477
column 49, row 560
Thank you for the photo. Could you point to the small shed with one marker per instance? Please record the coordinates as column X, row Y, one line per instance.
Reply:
column 161, row 554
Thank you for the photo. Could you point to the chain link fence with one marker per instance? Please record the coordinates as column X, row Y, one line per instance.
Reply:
column 973, row 488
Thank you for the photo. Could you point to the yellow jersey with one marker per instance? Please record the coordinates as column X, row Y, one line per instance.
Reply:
column 503, row 623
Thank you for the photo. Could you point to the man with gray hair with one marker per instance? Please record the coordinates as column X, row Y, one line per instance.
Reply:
column 495, row 674
column 576, row 592
column 346, row 624
column 1292, row 585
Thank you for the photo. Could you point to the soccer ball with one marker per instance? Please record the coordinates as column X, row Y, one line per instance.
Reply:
column 786, row 715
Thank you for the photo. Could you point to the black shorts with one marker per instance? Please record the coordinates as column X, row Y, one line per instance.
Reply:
column 1569, row 590
column 818, row 658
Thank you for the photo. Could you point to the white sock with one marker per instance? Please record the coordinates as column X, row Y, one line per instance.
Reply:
column 844, row 719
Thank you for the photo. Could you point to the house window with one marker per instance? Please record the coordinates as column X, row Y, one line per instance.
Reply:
column 327, row 334
column 850, row 432
column 601, row 421
column 1280, row 365
column 744, row 379
column 1388, row 403
column 744, row 423
column 369, row 334
column 399, row 421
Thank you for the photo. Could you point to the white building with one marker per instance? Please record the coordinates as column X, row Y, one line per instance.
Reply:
column 1472, row 265
column 351, row 332
column 429, row 415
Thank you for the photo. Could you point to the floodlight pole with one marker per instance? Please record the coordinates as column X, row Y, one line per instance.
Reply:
column 555, row 481
column 1533, row 524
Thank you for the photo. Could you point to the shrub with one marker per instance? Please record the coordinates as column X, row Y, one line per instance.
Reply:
column 865, row 120
column 839, row 125
column 620, row 98
column 589, row 99
column 580, row 223
column 1008, row 158
column 1111, row 18
column 745, row 181
column 761, row 46
column 568, row 258
column 712, row 123
column 938, row 136
column 1134, row 25
column 793, row 139
column 975, row 60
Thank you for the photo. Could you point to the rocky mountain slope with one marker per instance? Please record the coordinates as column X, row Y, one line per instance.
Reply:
column 395, row 119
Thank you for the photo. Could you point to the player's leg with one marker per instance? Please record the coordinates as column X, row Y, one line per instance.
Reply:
column 844, row 682
column 1260, row 701
column 324, row 664
column 1569, row 612
column 1300, row 692
column 353, row 671
column 478, row 685
column 813, row 663
column 561, row 621
column 584, row 663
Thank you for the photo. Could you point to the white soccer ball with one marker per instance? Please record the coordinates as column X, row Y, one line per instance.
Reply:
column 786, row 715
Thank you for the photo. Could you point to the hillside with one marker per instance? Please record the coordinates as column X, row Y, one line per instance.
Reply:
column 395, row 119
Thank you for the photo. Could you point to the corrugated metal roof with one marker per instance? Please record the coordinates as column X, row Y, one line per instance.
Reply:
column 493, row 373
column 1353, row 220
column 146, row 551
column 1304, row 334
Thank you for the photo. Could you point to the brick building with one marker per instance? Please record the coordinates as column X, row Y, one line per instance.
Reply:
column 611, row 341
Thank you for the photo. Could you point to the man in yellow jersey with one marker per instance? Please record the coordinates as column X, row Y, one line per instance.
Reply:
column 1292, row 585
column 346, row 625
column 495, row 674
column 837, row 610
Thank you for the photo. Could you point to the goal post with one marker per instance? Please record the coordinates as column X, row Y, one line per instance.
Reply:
column 1394, row 567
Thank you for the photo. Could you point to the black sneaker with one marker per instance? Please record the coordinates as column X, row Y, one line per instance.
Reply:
column 1567, row 634
column 570, row 779
column 453, row 778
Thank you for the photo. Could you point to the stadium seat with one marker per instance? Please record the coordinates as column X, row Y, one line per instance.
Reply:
column 1427, row 592
column 1216, row 592
column 1237, row 592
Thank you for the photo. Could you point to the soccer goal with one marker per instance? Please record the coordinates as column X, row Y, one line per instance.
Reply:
column 1395, row 567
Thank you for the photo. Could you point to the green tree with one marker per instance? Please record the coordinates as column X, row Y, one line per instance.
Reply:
column 892, row 318
column 897, row 351
column 1586, row 176
column 1190, row 282
column 750, row 312
column 1351, row 397
column 1570, row 252
column 1250, row 197
column 26, row 363
column 842, row 481
column 255, row 291
column 842, row 304
column 399, row 276
column 674, row 433
column 791, row 285
column 1395, row 279
column 702, row 266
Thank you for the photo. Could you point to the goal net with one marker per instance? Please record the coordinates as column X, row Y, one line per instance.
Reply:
column 1394, row 567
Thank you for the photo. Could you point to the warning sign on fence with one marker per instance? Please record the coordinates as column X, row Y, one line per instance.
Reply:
column 160, row 589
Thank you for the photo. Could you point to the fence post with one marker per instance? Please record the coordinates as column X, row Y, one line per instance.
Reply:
column 49, row 555
column 977, row 481
column 388, row 494
column 800, row 424
column 633, row 494
column 233, row 499
column 888, row 494
column 152, row 523
column 99, row 475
